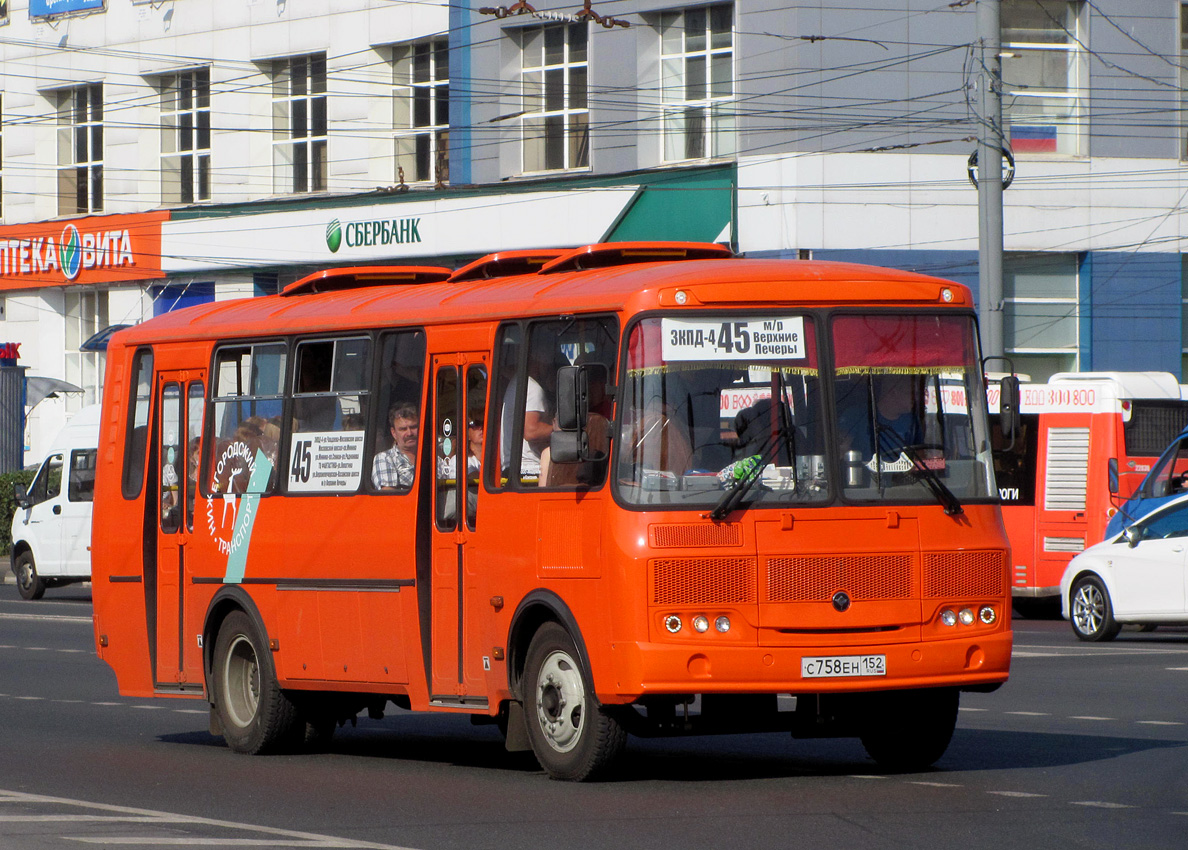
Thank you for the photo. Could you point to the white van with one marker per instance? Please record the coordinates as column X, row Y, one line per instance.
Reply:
column 51, row 530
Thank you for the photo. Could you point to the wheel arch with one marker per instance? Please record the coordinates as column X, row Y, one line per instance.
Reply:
column 18, row 548
column 1089, row 571
column 538, row 607
column 229, row 598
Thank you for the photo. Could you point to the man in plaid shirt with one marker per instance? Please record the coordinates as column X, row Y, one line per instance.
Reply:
column 395, row 469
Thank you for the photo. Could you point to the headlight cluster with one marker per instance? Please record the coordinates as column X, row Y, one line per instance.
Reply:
column 966, row 617
column 700, row 622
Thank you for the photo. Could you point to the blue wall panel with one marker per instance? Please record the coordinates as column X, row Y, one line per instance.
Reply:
column 1133, row 312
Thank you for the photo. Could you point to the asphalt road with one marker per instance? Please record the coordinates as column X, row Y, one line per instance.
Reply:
column 1085, row 747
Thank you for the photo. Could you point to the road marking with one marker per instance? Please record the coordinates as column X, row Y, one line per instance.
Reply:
column 1099, row 804
column 1088, row 717
column 1159, row 722
column 278, row 837
column 963, row 708
column 865, row 776
column 1029, row 713
column 65, row 618
column 935, row 784
column 1015, row 794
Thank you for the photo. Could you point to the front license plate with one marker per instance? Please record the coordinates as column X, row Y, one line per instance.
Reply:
column 843, row 665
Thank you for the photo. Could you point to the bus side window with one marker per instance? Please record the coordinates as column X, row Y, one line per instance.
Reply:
column 248, row 398
column 136, row 441
column 81, row 487
column 401, row 385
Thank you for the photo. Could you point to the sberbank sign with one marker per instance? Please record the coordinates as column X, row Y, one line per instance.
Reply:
column 368, row 234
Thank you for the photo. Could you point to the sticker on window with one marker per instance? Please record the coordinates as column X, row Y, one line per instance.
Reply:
column 745, row 339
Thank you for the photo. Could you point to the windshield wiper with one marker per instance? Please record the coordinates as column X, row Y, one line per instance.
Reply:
column 923, row 473
column 767, row 453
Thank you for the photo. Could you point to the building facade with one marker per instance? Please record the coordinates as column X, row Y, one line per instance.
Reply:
column 159, row 154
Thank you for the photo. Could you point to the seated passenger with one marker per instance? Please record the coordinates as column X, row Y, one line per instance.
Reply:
column 396, row 468
column 657, row 443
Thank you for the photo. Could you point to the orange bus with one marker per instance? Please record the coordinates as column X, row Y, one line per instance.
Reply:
column 647, row 489
column 1085, row 441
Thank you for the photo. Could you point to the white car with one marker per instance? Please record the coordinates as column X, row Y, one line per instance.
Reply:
column 1138, row 576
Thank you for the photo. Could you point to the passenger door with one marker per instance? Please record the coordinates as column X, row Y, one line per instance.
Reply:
column 76, row 513
column 179, row 446
column 460, row 392
column 38, row 524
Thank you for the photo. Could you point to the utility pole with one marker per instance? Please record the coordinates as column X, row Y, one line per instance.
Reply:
column 990, row 148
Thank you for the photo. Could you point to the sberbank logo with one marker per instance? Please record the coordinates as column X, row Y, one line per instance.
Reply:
column 70, row 252
column 334, row 236
column 368, row 234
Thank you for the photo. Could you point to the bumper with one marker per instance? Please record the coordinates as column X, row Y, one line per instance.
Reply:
column 640, row 669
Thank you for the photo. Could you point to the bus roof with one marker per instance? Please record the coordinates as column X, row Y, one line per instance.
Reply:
column 1144, row 385
column 637, row 285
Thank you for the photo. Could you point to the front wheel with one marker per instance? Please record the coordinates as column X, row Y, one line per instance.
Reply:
column 29, row 584
column 571, row 734
column 256, row 715
column 907, row 731
column 1091, row 612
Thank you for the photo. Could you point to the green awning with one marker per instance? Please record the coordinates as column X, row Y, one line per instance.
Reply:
column 697, row 207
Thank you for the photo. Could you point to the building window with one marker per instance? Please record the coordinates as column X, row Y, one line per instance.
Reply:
column 185, row 137
column 697, row 82
column 86, row 315
column 553, row 79
column 421, row 104
column 1184, row 78
column 1183, row 318
column 299, row 124
column 80, row 150
column 1043, row 72
column 1040, row 315
column 1, row 169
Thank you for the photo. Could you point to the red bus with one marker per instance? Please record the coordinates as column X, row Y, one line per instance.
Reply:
column 1084, row 444
column 528, row 491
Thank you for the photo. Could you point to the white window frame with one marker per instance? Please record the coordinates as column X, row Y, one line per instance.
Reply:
column 421, row 111
column 555, row 120
column 85, row 311
column 80, row 149
column 300, row 124
column 1065, row 110
column 185, row 136
column 698, row 109
column 1071, row 304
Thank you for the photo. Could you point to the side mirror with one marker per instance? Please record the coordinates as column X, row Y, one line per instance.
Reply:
column 1112, row 476
column 572, row 399
column 1133, row 535
column 1008, row 407
column 20, row 496
column 566, row 446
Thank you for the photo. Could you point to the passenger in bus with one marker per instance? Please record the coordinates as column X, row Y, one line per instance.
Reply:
column 597, row 436
column 656, row 440
column 538, row 424
column 895, row 415
column 396, row 468
column 446, row 470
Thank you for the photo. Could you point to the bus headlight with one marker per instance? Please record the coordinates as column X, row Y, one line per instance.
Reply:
column 966, row 616
column 948, row 617
column 722, row 624
column 700, row 623
column 673, row 623
column 987, row 615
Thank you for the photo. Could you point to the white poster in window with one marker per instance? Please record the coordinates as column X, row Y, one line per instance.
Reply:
column 326, row 462
column 733, row 339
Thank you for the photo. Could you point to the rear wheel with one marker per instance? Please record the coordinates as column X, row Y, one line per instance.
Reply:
column 572, row 735
column 29, row 584
column 909, row 730
column 1090, row 611
column 256, row 715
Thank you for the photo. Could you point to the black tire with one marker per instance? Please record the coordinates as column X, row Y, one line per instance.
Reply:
column 1090, row 610
column 572, row 735
column 256, row 715
column 30, row 585
column 908, row 731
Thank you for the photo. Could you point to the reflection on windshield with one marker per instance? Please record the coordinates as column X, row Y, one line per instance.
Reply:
column 713, row 406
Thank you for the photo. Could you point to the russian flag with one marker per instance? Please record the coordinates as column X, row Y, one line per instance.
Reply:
column 1038, row 138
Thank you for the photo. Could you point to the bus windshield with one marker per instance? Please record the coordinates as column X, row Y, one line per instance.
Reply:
column 699, row 418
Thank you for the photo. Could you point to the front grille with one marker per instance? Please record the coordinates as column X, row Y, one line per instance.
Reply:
column 703, row 581
column 955, row 574
column 815, row 578
column 678, row 535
